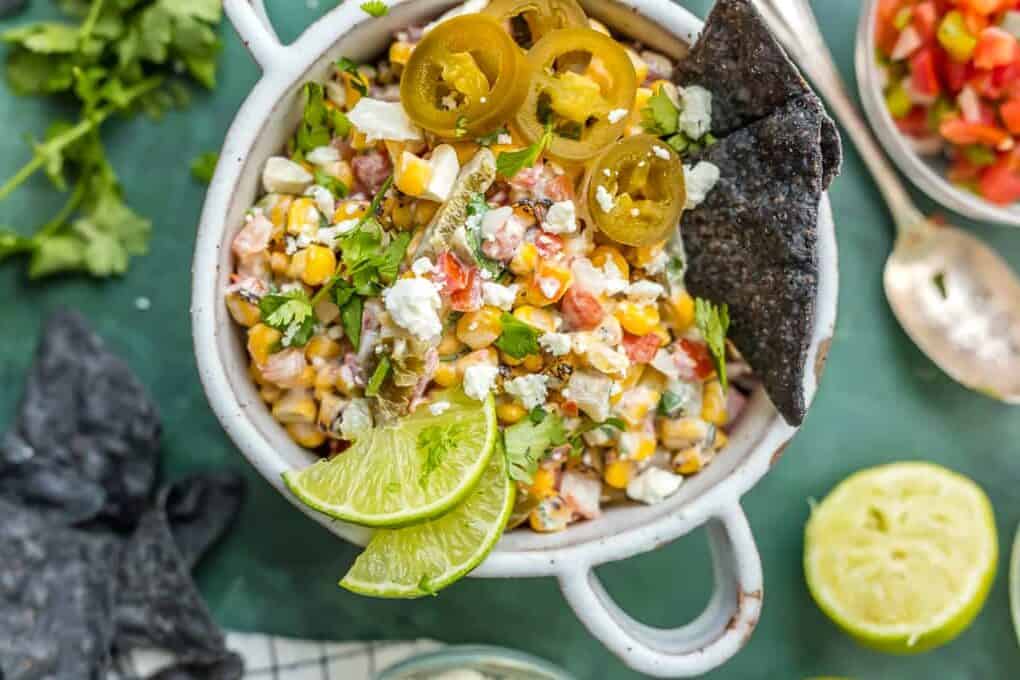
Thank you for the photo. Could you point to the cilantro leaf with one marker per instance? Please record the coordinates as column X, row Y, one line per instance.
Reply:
column 376, row 8
column 576, row 440
column 335, row 186
column 476, row 209
column 518, row 339
column 345, row 65
column 509, row 163
column 313, row 131
column 713, row 322
column 203, row 167
column 939, row 280
column 527, row 441
column 290, row 313
column 350, row 317
column 378, row 376
column 44, row 37
column 660, row 117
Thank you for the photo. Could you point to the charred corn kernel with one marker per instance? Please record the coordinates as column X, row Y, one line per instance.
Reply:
column 402, row 216
column 597, row 72
column 307, row 377
column 510, row 412
column 682, row 308
column 597, row 25
column 636, row 404
column 604, row 254
column 542, row 319
column 350, row 210
column 617, row 473
column 681, row 433
column 640, row 65
column 400, row 52
column 412, row 174
column 721, row 440
column 637, row 445
column 644, row 255
column 524, row 260
column 351, row 93
column 552, row 514
column 279, row 263
column 446, row 374
column 548, row 284
column 279, row 210
column 688, row 461
column 480, row 328
column 320, row 264
column 270, row 394
column 533, row 363
column 322, row 347
column 303, row 216
column 637, row 318
column 713, row 404
column 262, row 340
column 544, row 484
column 424, row 211
column 296, row 406
column 359, row 142
column 465, row 150
column 243, row 312
column 306, row 435
column 450, row 345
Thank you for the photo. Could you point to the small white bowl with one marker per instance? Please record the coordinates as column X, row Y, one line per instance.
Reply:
column 711, row 498
column 926, row 172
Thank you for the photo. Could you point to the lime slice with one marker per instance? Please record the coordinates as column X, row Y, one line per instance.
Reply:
column 1014, row 584
column 902, row 556
column 423, row 559
column 410, row 471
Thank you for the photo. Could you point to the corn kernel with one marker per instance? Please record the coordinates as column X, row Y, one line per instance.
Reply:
column 662, row 333
column 446, row 374
column 402, row 215
column 637, row 318
column 604, row 254
column 298, row 263
column 351, row 93
column 681, row 433
column 262, row 340
column 308, row 436
column 688, row 461
column 307, row 377
column 412, row 174
column 640, row 66
column 270, row 394
column 400, row 52
column 549, row 283
column 541, row 319
column 552, row 514
column 524, row 260
column 279, row 211
column 322, row 347
column 296, row 406
column 480, row 328
column 256, row 374
column 303, row 216
column 645, row 255
column 359, row 142
column 449, row 345
column 424, row 211
column 320, row 264
column 617, row 473
column 544, row 484
column 713, row 404
column 682, row 305
column 510, row 412
column 637, row 445
column 721, row 440
column 279, row 262
column 243, row 312
column 350, row 210
column 636, row 404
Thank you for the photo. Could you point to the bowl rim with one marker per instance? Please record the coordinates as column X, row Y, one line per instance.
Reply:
column 660, row 523
column 897, row 145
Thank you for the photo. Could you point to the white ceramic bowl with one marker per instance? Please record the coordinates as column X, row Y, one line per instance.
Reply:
column 711, row 498
column 927, row 172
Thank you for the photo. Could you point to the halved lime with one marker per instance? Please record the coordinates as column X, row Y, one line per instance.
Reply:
column 1014, row 584
column 902, row 556
column 407, row 472
column 423, row 559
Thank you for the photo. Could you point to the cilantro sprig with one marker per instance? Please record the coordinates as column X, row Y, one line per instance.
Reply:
column 714, row 321
column 527, row 441
column 509, row 163
column 517, row 339
column 345, row 65
column 290, row 313
column 376, row 8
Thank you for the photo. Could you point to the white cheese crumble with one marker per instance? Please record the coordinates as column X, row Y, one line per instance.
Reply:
column 654, row 485
column 696, row 115
column 658, row 263
column 357, row 418
column 423, row 266
column 493, row 221
column 698, row 181
column 377, row 120
column 530, row 389
column 549, row 286
column 284, row 176
column 614, row 282
column 645, row 291
column 478, row 380
column 604, row 199
column 616, row 115
column 498, row 295
column 445, row 168
column 344, row 226
column 324, row 199
column 504, row 138
column 561, row 218
column 439, row 408
column 323, row 155
column 660, row 152
column 556, row 344
column 414, row 304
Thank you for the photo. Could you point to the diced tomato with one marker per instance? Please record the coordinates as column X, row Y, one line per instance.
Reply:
column 581, row 309
column 1010, row 112
column 548, row 244
column 914, row 123
column 886, row 34
column 641, row 348
column 923, row 76
column 698, row 353
column 956, row 74
column 925, row 19
column 559, row 189
column 468, row 298
column 974, row 21
column 453, row 274
column 959, row 131
column 981, row 7
column 995, row 47
column 1001, row 182
column 569, row 408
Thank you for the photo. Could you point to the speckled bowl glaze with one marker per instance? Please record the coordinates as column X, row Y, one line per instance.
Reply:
column 712, row 498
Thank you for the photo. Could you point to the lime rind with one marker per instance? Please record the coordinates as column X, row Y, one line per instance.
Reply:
column 396, row 562
column 380, row 482
column 1014, row 584
column 929, row 551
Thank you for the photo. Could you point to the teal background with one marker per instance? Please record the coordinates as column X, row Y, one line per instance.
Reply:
column 881, row 401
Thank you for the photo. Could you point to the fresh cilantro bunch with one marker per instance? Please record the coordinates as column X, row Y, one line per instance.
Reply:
column 111, row 57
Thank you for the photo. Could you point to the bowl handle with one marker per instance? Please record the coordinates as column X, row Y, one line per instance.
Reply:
column 697, row 647
column 252, row 23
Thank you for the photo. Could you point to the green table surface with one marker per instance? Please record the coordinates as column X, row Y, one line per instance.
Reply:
column 881, row 401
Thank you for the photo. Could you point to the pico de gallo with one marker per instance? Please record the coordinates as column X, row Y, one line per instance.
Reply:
column 952, row 83
column 494, row 206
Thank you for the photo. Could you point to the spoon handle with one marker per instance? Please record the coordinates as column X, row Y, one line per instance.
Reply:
column 795, row 26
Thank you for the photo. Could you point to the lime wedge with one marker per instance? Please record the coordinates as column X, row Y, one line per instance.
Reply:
column 407, row 472
column 902, row 556
column 1014, row 584
column 423, row 559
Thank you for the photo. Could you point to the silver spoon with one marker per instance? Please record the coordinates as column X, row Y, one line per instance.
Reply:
column 956, row 298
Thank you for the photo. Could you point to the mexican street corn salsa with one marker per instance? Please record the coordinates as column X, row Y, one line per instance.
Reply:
column 467, row 257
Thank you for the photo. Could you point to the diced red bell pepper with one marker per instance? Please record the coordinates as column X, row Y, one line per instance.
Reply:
column 925, row 18
column 995, row 47
column 454, row 275
column 957, row 74
column 698, row 353
column 923, row 76
column 914, row 123
column 468, row 298
column 959, row 131
column 581, row 309
column 641, row 349
column 1010, row 112
column 1001, row 182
